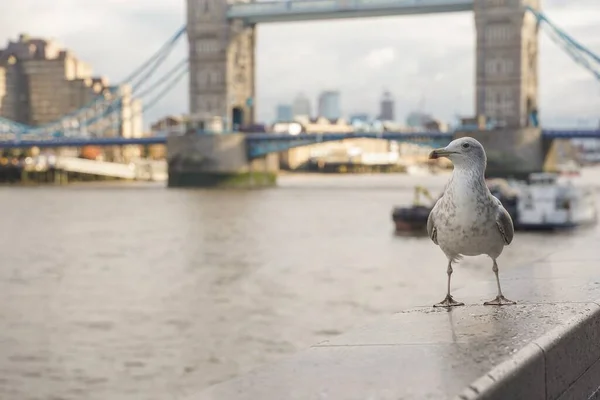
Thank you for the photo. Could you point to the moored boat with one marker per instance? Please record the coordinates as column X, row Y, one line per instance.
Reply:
column 551, row 201
column 546, row 201
column 413, row 218
column 410, row 218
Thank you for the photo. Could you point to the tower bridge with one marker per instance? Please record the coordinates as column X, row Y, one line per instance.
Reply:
column 222, row 39
column 221, row 65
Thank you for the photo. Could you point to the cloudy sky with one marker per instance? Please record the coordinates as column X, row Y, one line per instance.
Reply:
column 427, row 62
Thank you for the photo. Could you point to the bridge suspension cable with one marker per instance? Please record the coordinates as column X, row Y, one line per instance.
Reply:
column 170, row 85
column 164, row 48
column 161, row 56
column 579, row 53
column 100, row 106
column 177, row 74
column 154, row 62
column 183, row 63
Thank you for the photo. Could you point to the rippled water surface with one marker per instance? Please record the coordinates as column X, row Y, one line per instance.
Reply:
column 138, row 292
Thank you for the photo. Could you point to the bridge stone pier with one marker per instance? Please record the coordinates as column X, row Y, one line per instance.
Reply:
column 517, row 152
column 217, row 160
column 511, row 152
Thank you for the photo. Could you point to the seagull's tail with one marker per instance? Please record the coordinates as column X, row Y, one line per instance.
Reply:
column 456, row 258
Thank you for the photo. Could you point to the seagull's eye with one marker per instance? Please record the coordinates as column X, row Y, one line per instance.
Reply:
column 465, row 145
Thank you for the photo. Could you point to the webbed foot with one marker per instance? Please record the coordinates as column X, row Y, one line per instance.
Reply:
column 499, row 301
column 449, row 302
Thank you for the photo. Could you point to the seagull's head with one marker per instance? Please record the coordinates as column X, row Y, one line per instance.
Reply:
column 463, row 152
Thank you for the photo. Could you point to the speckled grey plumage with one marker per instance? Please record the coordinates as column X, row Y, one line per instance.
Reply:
column 468, row 220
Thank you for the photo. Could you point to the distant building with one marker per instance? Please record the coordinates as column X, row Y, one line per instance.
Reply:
column 359, row 117
column 329, row 105
column 298, row 158
column 422, row 121
column 418, row 119
column 387, row 105
column 301, row 106
column 435, row 125
column 360, row 122
column 322, row 124
column 170, row 125
column 284, row 113
column 40, row 83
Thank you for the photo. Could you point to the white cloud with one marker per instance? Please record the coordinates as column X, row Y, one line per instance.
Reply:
column 420, row 59
column 380, row 57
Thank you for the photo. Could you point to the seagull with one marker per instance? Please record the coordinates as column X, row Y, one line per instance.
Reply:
column 468, row 220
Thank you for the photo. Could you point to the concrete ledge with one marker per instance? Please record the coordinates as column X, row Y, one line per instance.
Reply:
column 562, row 364
column 545, row 347
column 528, row 351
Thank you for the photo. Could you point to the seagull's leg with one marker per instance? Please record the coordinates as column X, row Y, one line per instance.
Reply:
column 500, row 300
column 449, row 301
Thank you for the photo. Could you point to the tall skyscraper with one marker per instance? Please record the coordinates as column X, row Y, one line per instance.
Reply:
column 329, row 104
column 284, row 113
column 301, row 106
column 386, row 112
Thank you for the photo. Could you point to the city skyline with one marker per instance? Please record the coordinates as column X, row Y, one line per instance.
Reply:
column 359, row 57
column 329, row 104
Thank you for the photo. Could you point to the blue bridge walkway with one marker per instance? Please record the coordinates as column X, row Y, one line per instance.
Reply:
column 261, row 144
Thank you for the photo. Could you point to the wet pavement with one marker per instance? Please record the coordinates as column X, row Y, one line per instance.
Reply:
column 545, row 347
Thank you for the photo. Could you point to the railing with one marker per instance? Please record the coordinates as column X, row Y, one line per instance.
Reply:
column 260, row 144
column 340, row 136
column 571, row 133
column 272, row 137
column 80, row 142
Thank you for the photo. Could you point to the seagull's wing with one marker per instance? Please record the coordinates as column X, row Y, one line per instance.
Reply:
column 431, row 229
column 504, row 222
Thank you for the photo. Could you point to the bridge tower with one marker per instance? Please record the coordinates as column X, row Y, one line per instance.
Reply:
column 221, row 59
column 221, row 84
column 506, row 61
column 506, row 86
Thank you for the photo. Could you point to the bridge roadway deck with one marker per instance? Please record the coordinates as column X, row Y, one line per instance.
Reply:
column 270, row 137
column 545, row 347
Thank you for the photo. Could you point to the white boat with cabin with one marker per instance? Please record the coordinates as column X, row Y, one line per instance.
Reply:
column 551, row 201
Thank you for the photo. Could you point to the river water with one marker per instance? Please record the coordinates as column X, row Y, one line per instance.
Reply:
column 133, row 291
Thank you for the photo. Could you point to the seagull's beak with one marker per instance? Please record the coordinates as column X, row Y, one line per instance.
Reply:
column 437, row 153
